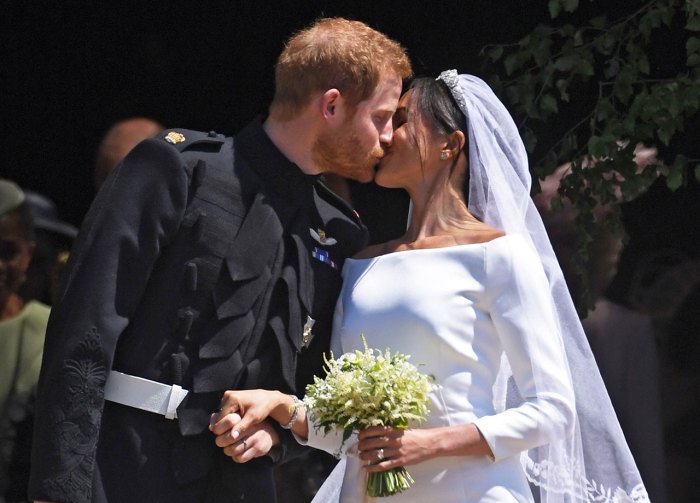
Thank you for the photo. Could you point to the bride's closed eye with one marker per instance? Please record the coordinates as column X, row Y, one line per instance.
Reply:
column 400, row 118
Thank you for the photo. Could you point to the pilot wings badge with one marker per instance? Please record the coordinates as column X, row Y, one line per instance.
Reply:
column 321, row 238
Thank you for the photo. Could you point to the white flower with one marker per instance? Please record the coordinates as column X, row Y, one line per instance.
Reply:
column 369, row 388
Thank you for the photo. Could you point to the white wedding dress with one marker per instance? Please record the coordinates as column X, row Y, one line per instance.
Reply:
column 456, row 311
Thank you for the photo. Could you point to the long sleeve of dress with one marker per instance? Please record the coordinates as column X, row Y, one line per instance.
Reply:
column 521, row 309
column 133, row 218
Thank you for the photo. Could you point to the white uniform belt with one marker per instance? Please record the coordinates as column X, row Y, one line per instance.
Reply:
column 144, row 394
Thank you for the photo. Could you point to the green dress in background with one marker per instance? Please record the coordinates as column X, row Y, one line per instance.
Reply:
column 21, row 347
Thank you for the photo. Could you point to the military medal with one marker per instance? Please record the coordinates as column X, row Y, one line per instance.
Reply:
column 323, row 256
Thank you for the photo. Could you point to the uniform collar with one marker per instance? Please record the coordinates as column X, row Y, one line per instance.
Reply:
column 278, row 172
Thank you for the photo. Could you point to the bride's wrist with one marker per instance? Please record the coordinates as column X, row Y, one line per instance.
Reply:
column 294, row 412
column 283, row 409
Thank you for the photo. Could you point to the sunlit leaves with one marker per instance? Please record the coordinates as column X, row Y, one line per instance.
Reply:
column 543, row 67
column 589, row 93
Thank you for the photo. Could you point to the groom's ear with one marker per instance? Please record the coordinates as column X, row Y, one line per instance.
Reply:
column 331, row 103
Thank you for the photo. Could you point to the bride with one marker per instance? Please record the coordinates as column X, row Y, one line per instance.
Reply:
column 473, row 292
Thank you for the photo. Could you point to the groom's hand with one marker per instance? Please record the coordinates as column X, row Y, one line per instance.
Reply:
column 250, row 407
column 259, row 439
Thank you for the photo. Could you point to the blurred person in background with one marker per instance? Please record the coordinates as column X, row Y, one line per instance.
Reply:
column 54, row 239
column 118, row 141
column 22, row 329
column 622, row 339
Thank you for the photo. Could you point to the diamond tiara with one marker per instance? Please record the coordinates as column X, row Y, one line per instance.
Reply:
column 451, row 78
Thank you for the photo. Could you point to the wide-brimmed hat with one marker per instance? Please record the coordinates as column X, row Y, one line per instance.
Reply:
column 45, row 215
column 11, row 196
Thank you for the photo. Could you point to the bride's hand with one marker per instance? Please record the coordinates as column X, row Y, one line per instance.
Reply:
column 253, row 407
column 384, row 447
column 239, row 410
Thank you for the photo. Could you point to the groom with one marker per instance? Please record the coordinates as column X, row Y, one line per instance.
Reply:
column 209, row 263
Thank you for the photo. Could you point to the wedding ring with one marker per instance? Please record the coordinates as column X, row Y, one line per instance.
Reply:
column 245, row 444
column 380, row 454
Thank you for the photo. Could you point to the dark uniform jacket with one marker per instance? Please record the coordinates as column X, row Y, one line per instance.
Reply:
column 198, row 264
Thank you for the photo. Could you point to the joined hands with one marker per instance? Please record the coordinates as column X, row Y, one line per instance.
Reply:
column 242, row 427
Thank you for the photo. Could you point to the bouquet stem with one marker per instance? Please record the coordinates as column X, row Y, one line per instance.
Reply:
column 389, row 482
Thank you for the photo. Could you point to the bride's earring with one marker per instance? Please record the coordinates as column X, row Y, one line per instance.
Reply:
column 443, row 155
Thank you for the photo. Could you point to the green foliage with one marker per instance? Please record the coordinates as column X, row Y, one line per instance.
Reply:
column 587, row 93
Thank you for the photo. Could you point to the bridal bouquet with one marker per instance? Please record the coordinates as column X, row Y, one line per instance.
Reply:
column 371, row 388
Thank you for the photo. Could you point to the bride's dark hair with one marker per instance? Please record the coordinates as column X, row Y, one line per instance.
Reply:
column 436, row 106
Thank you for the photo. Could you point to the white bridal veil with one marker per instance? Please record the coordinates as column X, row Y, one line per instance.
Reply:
column 594, row 463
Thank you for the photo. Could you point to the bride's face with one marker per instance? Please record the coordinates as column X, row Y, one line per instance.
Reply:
column 414, row 151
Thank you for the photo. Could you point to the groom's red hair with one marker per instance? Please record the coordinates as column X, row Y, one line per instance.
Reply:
column 334, row 53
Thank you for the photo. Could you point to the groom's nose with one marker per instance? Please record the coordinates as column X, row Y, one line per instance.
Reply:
column 386, row 135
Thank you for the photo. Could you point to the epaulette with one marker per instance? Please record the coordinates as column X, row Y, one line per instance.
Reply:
column 185, row 139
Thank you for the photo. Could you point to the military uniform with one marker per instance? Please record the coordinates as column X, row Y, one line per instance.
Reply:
column 203, row 262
